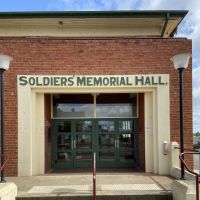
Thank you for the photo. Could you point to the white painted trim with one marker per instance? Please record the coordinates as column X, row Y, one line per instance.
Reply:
column 163, row 124
column 31, row 123
column 24, row 131
column 38, row 136
column 155, row 132
column 149, row 143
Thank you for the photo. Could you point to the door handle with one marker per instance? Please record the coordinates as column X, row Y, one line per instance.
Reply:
column 74, row 143
column 117, row 143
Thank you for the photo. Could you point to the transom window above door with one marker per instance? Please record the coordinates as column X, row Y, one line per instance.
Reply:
column 115, row 105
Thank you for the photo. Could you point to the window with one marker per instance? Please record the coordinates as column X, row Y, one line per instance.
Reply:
column 82, row 105
column 116, row 105
column 73, row 105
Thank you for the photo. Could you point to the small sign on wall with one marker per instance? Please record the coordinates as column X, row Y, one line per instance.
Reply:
column 148, row 129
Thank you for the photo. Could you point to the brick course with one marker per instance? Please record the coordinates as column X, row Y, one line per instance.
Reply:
column 92, row 56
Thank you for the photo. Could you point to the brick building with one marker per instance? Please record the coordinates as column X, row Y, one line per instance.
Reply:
column 83, row 82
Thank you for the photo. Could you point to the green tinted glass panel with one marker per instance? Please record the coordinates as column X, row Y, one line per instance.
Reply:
column 106, row 126
column 84, row 141
column 64, row 142
column 127, row 156
column 64, row 127
column 63, row 157
column 126, row 140
column 106, row 141
column 126, row 126
column 107, row 156
column 84, row 126
column 83, row 156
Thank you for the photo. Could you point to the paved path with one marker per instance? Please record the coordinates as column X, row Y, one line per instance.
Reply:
column 196, row 162
column 81, row 184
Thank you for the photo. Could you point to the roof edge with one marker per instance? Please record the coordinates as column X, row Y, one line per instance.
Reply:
column 94, row 14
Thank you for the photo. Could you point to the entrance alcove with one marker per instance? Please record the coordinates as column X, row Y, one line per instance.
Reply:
column 35, row 122
column 105, row 110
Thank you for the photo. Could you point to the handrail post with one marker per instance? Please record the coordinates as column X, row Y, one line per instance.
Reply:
column 2, row 165
column 199, row 163
column 181, row 156
column 197, row 187
column 2, row 125
column 94, row 176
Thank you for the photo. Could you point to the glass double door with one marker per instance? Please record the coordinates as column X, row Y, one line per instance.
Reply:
column 116, row 143
column 75, row 140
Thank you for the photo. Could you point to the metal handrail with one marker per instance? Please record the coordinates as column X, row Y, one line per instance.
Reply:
column 94, row 176
column 187, row 149
column 197, row 175
column 6, row 160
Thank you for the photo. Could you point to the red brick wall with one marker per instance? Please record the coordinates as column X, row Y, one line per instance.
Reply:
column 93, row 56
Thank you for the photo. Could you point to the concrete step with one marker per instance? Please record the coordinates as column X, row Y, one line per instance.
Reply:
column 162, row 196
column 129, row 186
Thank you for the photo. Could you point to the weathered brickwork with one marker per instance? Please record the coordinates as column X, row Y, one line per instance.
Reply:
column 93, row 56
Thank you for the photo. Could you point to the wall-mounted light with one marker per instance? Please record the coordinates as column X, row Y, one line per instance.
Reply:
column 4, row 62
column 60, row 24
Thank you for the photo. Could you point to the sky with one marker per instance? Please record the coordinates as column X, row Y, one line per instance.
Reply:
column 190, row 26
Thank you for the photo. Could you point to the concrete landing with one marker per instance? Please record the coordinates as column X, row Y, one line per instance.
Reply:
column 79, row 186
